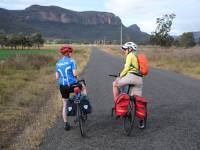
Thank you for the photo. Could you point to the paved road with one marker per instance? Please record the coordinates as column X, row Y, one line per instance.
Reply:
column 174, row 113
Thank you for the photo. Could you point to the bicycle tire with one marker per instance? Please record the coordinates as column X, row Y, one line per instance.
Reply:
column 112, row 111
column 129, row 119
column 81, row 120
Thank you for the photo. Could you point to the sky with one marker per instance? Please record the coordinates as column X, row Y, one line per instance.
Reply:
column 140, row 12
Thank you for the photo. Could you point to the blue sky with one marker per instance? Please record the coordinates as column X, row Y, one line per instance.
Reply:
column 140, row 12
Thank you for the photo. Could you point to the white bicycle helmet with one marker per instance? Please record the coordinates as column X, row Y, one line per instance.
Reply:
column 130, row 45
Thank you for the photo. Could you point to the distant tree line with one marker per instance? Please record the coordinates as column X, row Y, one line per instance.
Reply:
column 16, row 41
column 185, row 40
column 69, row 41
column 161, row 35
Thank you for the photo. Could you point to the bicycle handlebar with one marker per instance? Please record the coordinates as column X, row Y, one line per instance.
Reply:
column 82, row 80
column 113, row 75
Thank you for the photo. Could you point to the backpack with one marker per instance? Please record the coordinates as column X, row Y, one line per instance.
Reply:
column 85, row 104
column 143, row 64
column 121, row 104
column 140, row 106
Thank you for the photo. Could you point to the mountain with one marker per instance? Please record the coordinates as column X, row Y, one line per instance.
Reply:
column 141, row 36
column 56, row 22
column 134, row 28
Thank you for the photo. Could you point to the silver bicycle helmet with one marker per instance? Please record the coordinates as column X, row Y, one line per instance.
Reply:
column 130, row 45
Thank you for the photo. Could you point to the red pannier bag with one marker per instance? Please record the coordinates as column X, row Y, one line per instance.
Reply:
column 121, row 104
column 140, row 106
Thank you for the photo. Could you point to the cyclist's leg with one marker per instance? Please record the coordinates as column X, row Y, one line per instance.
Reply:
column 64, row 113
column 83, row 89
column 120, row 82
column 138, row 85
column 64, row 90
column 115, row 88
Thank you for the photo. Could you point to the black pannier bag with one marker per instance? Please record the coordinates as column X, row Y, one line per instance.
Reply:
column 71, row 107
column 85, row 104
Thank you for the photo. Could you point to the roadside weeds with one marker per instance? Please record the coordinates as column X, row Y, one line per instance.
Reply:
column 36, row 106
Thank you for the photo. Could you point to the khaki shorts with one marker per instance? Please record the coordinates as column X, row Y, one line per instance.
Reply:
column 134, row 80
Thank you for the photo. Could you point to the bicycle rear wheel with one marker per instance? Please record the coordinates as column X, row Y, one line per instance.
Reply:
column 129, row 119
column 81, row 120
column 144, row 122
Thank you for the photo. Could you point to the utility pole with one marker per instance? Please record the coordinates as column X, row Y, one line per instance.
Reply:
column 121, row 34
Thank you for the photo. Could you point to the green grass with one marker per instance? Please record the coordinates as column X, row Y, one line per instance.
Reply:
column 6, row 53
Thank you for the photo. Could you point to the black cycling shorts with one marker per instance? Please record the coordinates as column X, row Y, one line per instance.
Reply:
column 66, row 90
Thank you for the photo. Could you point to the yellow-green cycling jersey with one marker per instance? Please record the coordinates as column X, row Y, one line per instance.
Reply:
column 131, row 64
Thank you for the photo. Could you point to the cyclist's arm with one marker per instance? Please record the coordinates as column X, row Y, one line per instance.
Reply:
column 74, row 68
column 126, row 66
column 57, row 76
column 75, row 73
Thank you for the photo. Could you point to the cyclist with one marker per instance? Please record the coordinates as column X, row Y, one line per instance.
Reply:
column 66, row 74
column 130, row 74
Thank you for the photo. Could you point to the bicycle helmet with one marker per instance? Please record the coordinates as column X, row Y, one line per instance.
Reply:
column 66, row 49
column 129, row 45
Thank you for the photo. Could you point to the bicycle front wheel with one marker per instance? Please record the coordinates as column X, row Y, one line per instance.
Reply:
column 81, row 120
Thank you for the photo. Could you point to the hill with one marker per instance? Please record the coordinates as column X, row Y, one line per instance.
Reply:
column 56, row 22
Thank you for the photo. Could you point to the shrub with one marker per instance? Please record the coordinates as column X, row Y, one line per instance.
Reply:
column 187, row 39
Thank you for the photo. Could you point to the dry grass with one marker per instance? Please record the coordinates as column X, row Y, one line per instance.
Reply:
column 180, row 60
column 57, row 46
column 20, row 92
column 29, row 101
column 39, row 120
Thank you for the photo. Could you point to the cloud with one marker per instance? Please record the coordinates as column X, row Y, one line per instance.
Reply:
column 77, row 5
column 21, row 4
column 145, row 12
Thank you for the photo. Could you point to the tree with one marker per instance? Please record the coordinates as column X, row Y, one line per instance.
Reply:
column 187, row 39
column 3, row 40
column 14, row 41
column 25, row 41
column 29, row 42
column 37, row 39
column 21, row 41
column 176, row 42
column 161, row 35
column 199, row 41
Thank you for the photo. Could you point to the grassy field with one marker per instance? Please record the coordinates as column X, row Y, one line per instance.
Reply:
column 29, row 98
column 180, row 60
column 6, row 53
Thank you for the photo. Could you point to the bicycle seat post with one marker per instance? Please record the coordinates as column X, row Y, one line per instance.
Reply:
column 129, row 88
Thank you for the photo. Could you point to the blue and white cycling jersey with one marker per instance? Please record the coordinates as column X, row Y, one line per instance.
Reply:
column 65, row 67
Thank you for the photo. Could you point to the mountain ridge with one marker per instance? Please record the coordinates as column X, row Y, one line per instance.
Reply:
column 57, row 22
